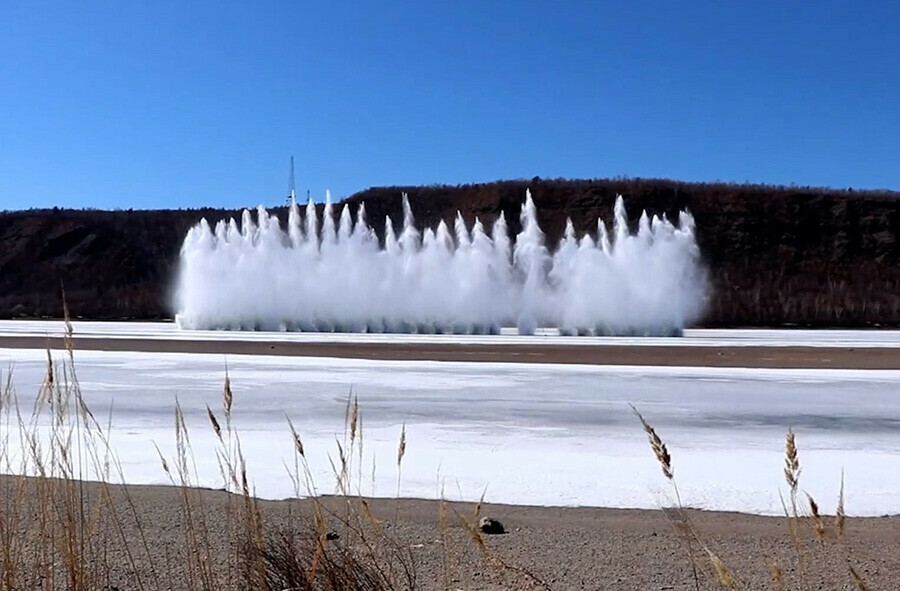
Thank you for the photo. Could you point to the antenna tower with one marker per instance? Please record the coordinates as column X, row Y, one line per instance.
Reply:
column 292, row 189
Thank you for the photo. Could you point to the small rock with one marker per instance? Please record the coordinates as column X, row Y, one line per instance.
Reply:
column 332, row 535
column 491, row 526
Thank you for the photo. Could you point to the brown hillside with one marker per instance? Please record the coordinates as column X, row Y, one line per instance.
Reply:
column 776, row 255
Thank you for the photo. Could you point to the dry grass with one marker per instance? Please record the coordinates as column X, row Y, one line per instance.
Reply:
column 721, row 575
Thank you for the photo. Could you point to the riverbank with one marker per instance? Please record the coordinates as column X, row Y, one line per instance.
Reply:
column 564, row 548
column 764, row 357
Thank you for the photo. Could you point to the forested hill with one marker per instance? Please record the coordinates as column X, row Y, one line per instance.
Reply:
column 775, row 255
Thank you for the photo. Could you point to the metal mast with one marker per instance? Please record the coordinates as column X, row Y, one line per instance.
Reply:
column 292, row 189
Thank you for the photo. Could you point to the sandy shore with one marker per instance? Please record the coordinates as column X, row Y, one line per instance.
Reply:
column 567, row 548
column 685, row 356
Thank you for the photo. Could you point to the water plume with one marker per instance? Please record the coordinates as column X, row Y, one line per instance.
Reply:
column 336, row 277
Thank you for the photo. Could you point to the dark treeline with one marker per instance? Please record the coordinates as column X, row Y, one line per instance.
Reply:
column 775, row 255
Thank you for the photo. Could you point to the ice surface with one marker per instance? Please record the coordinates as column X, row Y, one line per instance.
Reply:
column 698, row 337
column 530, row 433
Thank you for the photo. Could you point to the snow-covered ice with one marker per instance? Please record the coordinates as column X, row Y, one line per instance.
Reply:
column 697, row 337
column 527, row 433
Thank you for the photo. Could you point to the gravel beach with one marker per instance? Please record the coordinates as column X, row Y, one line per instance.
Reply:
column 563, row 548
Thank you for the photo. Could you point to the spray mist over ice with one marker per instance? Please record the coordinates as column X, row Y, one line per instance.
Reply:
column 321, row 276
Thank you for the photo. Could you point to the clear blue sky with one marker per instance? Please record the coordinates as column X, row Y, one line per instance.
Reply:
column 189, row 103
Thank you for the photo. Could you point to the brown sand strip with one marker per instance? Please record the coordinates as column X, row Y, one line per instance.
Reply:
column 567, row 548
column 687, row 356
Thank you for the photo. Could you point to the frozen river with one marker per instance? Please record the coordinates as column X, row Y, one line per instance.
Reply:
column 698, row 337
column 527, row 433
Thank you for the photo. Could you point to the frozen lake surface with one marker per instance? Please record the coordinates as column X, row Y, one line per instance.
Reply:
column 527, row 433
column 697, row 337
